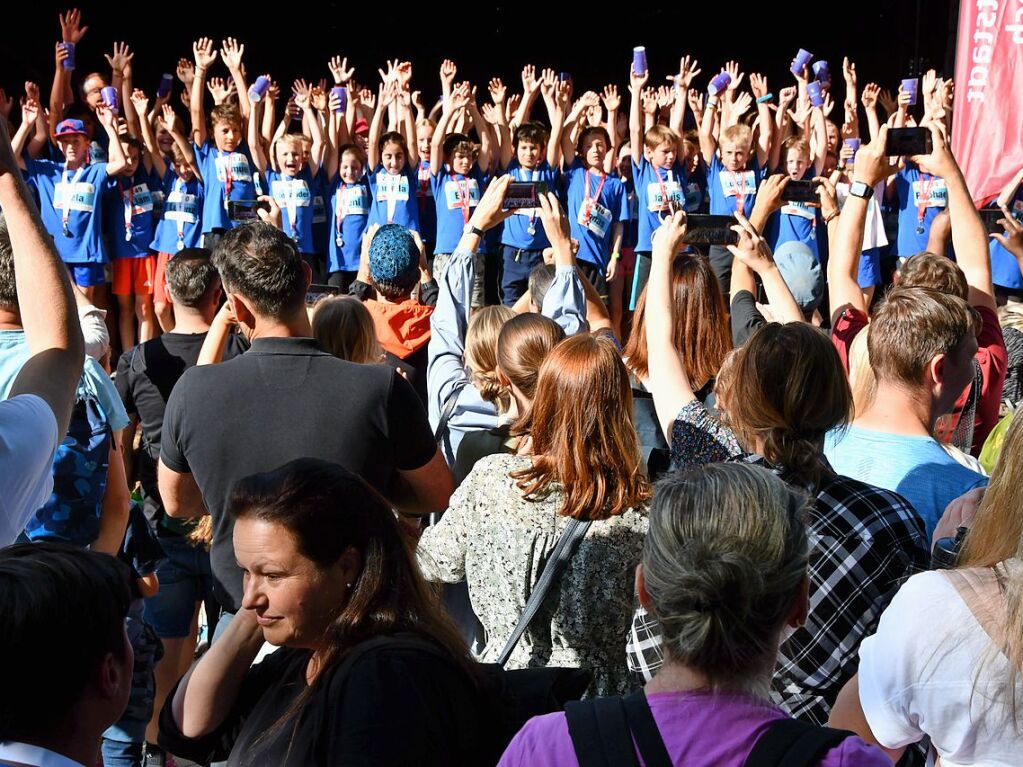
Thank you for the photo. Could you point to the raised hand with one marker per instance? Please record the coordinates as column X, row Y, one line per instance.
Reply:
column 548, row 84
column 649, row 96
column 742, row 104
column 403, row 73
column 6, row 103
column 170, row 118
column 29, row 111
column 758, row 84
column 492, row 114
column 732, row 68
column 202, row 51
column 1012, row 240
column 459, row 98
column 786, row 96
column 120, row 58
column 301, row 97
column 300, row 86
column 688, row 69
column 186, row 72
column 869, row 96
column 872, row 164
column 849, row 73
column 829, row 105
column 665, row 97
column 448, row 72
column 60, row 54
column 339, row 70
column 637, row 82
column 529, row 82
column 367, row 97
column 498, row 91
column 31, row 91
column 752, row 249
column 695, row 99
column 884, row 96
column 318, row 98
column 140, row 101
column 70, row 29
column 612, row 101
column 231, row 52
column 105, row 116
column 220, row 89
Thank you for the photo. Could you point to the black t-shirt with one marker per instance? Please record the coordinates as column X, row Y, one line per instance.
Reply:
column 746, row 318
column 394, row 706
column 146, row 375
column 287, row 398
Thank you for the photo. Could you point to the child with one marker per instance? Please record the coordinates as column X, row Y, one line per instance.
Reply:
column 394, row 164
column 70, row 199
column 797, row 221
column 293, row 182
column 350, row 202
column 425, row 130
column 224, row 163
column 697, row 199
column 181, row 224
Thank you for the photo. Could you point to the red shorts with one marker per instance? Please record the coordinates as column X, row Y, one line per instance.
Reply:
column 160, row 278
column 134, row 276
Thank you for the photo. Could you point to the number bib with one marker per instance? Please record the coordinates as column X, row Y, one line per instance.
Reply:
column 239, row 165
column 732, row 184
column 659, row 195
column 936, row 198
column 181, row 206
column 291, row 192
column 598, row 222
column 141, row 199
column 453, row 195
column 392, row 188
column 80, row 196
column 353, row 201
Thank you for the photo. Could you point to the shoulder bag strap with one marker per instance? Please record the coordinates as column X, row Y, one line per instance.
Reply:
column 793, row 743
column 446, row 411
column 552, row 571
column 600, row 733
column 644, row 728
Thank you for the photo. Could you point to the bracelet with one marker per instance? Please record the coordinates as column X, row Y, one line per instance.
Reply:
column 832, row 217
column 712, row 103
column 616, row 256
column 765, row 98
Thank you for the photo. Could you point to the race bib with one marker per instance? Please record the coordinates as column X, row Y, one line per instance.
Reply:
column 937, row 197
column 353, row 201
column 291, row 192
column 425, row 189
column 182, row 207
column 141, row 199
column 80, row 196
column 799, row 209
column 392, row 187
column 598, row 222
column 734, row 183
column 452, row 194
column 659, row 195
column 239, row 165
column 319, row 210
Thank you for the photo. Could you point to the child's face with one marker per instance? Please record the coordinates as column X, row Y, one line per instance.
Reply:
column 290, row 158
column 74, row 148
column 392, row 157
column 692, row 158
column 423, row 138
column 594, row 150
column 183, row 171
column 625, row 162
column 528, row 154
column 832, row 131
column 132, row 155
column 351, row 168
column 733, row 156
column 461, row 163
column 93, row 90
column 164, row 139
column 796, row 163
column 663, row 155
column 227, row 136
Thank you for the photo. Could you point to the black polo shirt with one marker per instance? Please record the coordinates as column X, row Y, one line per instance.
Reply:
column 284, row 399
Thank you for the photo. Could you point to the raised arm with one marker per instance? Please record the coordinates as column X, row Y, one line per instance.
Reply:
column 1009, row 190
column 231, row 51
column 173, row 125
column 61, row 78
column 311, row 124
column 132, row 117
column 530, row 90
column 29, row 111
column 818, row 147
column 387, row 95
column 753, row 256
column 636, row 85
column 204, row 55
column 758, row 84
column 555, row 95
column 140, row 105
column 256, row 147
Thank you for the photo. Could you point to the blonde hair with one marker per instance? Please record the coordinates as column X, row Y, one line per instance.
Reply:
column 481, row 352
column 861, row 375
column 740, row 134
column 344, row 327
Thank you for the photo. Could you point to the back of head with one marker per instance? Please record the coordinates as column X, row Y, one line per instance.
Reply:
column 911, row 327
column 787, row 391
column 62, row 611
column 524, row 343
column 584, row 436
column 344, row 327
column 393, row 262
column 8, row 286
column 191, row 277
column 699, row 317
column 481, row 349
column 540, row 280
column 927, row 270
column 724, row 559
column 259, row 262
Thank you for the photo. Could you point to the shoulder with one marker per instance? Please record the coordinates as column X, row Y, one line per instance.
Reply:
column 865, row 500
column 855, row 751
column 543, row 741
column 499, row 465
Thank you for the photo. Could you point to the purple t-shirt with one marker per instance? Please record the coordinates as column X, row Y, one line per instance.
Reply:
column 698, row 729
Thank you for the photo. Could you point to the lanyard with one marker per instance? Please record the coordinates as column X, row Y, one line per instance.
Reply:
column 926, row 184
column 228, row 176
column 463, row 198
column 424, row 181
column 669, row 178
column 739, row 183
column 590, row 201
column 534, row 175
column 291, row 204
column 392, row 185
column 129, row 206
column 179, row 192
column 65, row 213
column 339, row 213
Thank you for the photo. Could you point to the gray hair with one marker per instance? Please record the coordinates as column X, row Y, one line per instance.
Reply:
column 723, row 562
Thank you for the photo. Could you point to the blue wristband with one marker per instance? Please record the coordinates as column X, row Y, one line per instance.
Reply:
column 765, row 99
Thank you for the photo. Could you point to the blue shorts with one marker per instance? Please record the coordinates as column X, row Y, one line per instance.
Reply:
column 869, row 273
column 185, row 580
column 87, row 275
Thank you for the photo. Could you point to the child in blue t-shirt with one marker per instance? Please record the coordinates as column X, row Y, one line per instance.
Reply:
column 797, row 220
column 350, row 200
column 71, row 201
column 394, row 157
column 921, row 197
column 224, row 161
column 425, row 128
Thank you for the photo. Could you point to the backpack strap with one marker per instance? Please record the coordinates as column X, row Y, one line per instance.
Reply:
column 600, row 733
column 644, row 729
column 793, row 743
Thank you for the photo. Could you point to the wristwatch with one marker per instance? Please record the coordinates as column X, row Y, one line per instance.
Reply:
column 470, row 229
column 861, row 190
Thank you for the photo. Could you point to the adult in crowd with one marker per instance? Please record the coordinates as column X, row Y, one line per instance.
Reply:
column 329, row 579
column 282, row 400
column 724, row 574
column 779, row 395
column 959, row 682
column 57, row 703
column 36, row 413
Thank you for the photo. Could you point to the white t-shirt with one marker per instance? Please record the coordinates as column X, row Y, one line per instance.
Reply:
column 932, row 670
column 873, row 229
column 28, row 441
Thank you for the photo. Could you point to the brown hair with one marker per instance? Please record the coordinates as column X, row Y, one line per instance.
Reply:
column 344, row 327
column 926, row 270
column 787, row 389
column 481, row 351
column 798, row 143
column 226, row 113
column 699, row 317
column 523, row 345
column 911, row 327
column 657, row 135
column 584, row 436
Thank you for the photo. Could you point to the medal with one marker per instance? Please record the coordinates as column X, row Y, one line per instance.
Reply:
column 919, row 228
column 340, row 241
column 531, row 230
column 67, row 232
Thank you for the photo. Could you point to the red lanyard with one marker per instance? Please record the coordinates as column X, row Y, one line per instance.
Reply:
column 228, row 177
column 463, row 198
column 660, row 182
column 590, row 201
column 129, row 207
column 926, row 184
column 740, row 189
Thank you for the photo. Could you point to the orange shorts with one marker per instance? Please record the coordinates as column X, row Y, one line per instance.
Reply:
column 134, row 276
column 160, row 279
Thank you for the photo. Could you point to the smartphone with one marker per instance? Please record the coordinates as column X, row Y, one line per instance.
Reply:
column 703, row 229
column 991, row 217
column 801, row 191
column 523, row 194
column 315, row 293
column 245, row 210
column 908, row 141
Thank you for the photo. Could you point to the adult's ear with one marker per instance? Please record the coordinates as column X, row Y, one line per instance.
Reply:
column 308, row 272
column 800, row 606
column 644, row 598
column 242, row 310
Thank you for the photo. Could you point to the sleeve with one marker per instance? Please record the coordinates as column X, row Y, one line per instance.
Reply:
column 107, row 395
column 122, row 382
column 28, row 442
column 428, row 293
column 622, row 207
column 448, row 325
column 697, row 438
column 408, row 427
column 172, row 438
column 94, row 331
column 442, row 547
column 565, row 301
column 746, row 318
column 541, row 743
column 846, row 328
column 994, row 363
column 361, row 290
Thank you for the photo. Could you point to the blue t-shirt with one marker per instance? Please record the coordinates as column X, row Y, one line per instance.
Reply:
column 350, row 204
column 181, row 225
column 156, row 190
column 454, row 196
column 294, row 195
column 592, row 213
column 128, row 218
column 424, row 196
column 697, row 200
column 725, row 187
column 1004, row 267
column 795, row 221
column 81, row 241
column 630, row 234
column 321, row 213
column 220, row 170
column 655, row 188
column 394, row 197
column 913, row 189
column 917, row 468
column 524, row 229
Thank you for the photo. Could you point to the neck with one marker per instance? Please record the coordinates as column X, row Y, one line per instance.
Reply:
column 675, row 677
column 70, row 741
column 189, row 321
column 74, row 164
column 381, row 298
column 295, row 327
column 898, row 410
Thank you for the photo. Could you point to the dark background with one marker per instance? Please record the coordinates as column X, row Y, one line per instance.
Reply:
column 888, row 40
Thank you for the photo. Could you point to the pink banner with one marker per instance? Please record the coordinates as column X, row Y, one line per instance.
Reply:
column 987, row 128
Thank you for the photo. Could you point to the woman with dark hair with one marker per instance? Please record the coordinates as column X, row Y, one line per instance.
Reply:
column 506, row 518
column 327, row 571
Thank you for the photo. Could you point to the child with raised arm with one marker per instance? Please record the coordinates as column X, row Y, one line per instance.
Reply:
column 224, row 160
column 71, row 200
column 393, row 155
column 920, row 195
column 181, row 224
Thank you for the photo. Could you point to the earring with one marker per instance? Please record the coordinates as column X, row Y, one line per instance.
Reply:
column 348, row 585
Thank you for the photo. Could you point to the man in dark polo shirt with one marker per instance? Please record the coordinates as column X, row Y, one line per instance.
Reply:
column 286, row 398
